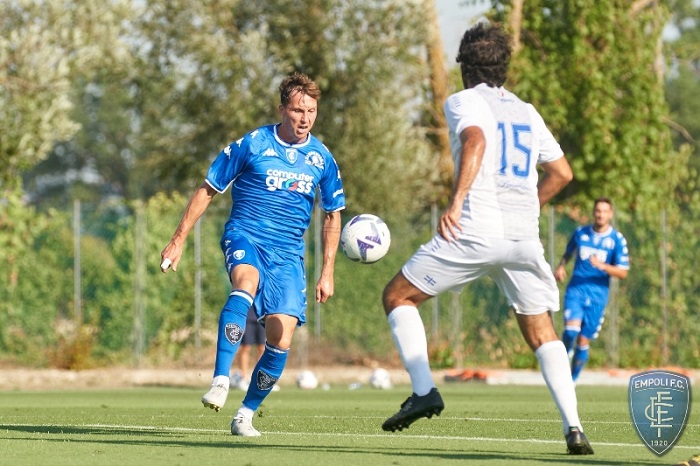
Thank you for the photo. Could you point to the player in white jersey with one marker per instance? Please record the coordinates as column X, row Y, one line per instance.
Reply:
column 274, row 173
column 490, row 228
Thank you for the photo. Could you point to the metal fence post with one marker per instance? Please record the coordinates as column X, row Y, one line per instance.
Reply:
column 198, row 288
column 77, row 285
column 139, row 283
column 664, row 290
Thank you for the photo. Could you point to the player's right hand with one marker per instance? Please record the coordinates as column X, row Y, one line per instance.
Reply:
column 170, row 257
column 560, row 274
column 449, row 226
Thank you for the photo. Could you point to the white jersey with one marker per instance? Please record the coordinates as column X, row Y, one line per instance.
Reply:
column 502, row 201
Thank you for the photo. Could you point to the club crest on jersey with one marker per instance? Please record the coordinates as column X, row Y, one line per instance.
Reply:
column 265, row 381
column 292, row 155
column 315, row 159
column 659, row 405
column 609, row 243
column 233, row 333
column 238, row 254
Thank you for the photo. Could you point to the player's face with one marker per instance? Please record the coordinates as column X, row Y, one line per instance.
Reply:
column 603, row 213
column 298, row 117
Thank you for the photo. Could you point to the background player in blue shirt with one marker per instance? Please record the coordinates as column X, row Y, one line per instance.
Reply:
column 601, row 253
column 274, row 172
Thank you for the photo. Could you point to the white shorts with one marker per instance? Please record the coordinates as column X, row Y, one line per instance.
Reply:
column 518, row 268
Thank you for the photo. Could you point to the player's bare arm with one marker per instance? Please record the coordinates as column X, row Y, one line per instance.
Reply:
column 196, row 206
column 610, row 269
column 557, row 174
column 331, row 237
column 473, row 146
column 560, row 271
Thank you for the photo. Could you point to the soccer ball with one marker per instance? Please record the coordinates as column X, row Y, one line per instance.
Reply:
column 380, row 379
column 365, row 238
column 306, row 380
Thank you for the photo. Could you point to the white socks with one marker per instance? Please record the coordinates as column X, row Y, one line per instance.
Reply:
column 554, row 364
column 409, row 335
column 221, row 380
column 246, row 413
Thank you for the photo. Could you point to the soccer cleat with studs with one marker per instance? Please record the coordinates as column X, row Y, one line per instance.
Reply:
column 577, row 443
column 215, row 398
column 414, row 408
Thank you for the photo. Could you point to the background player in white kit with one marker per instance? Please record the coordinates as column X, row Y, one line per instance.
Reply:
column 489, row 228
column 274, row 173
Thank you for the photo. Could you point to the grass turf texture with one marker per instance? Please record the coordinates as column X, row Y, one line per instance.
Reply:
column 489, row 425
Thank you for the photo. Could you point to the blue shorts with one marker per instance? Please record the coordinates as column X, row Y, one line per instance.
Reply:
column 586, row 307
column 282, row 286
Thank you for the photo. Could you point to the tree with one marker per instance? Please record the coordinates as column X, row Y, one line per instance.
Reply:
column 210, row 73
column 595, row 71
column 592, row 70
column 42, row 44
column 683, row 79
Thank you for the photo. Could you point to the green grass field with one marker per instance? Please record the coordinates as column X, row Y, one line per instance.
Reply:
column 490, row 425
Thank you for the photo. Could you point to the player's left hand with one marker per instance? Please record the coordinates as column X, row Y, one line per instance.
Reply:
column 324, row 289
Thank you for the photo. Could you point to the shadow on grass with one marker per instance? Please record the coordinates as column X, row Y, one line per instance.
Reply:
column 174, row 438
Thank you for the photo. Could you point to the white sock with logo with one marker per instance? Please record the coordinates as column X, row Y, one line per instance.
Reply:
column 409, row 335
column 554, row 364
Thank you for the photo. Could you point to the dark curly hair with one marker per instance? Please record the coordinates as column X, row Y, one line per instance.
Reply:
column 298, row 82
column 484, row 55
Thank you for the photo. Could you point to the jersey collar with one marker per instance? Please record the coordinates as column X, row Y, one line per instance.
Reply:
column 279, row 139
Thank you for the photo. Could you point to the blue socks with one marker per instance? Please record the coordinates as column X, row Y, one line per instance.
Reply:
column 580, row 360
column 231, row 327
column 266, row 373
column 569, row 338
column 578, row 354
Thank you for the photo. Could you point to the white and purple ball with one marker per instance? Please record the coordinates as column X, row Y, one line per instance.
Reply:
column 365, row 238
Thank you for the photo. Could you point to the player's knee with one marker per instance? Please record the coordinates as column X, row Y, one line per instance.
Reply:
column 388, row 299
column 571, row 333
column 400, row 292
column 390, row 296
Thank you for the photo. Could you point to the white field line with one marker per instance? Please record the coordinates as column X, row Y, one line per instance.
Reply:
column 326, row 434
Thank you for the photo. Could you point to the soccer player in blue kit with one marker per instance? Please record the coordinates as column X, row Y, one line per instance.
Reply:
column 601, row 253
column 274, row 172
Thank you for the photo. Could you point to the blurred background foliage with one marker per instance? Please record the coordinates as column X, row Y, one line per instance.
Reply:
column 121, row 105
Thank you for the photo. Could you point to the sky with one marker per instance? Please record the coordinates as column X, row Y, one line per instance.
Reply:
column 454, row 18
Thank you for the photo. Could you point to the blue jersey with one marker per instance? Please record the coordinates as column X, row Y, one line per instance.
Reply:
column 273, row 186
column 609, row 246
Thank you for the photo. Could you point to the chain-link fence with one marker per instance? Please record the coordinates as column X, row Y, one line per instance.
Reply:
column 85, row 286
